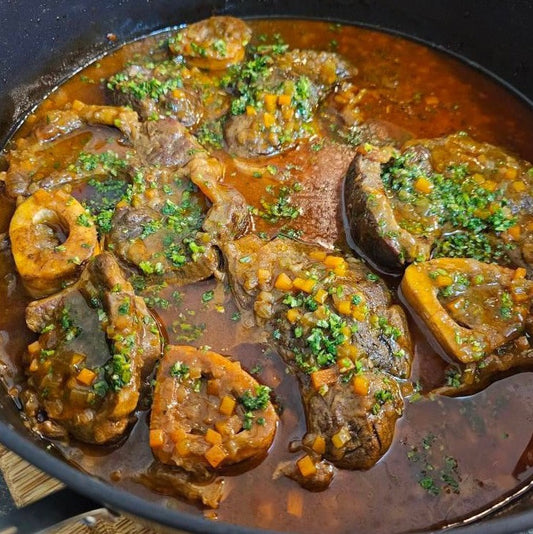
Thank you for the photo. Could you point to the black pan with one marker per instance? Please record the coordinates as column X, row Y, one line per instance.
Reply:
column 42, row 42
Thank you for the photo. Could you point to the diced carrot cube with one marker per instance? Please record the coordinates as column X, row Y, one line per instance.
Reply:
column 213, row 437
column 321, row 296
column 319, row 445
column 360, row 385
column 263, row 276
column 515, row 232
column 318, row 255
column 212, row 387
column 287, row 113
column 511, row 173
column 34, row 365
column 270, row 102
column 250, row 110
column 157, row 438
column 295, row 503
column 346, row 332
column 519, row 186
column 347, row 350
column 177, row 435
column 443, row 280
column 333, row 261
column 519, row 273
column 344, row 307
column 182, row 447
column 284, row 100
column 423, row 185
column 215, row 455
column 341, row 437
column 283, row 282
column 359, row 313
column 76, row 358
column 227, row 405
column 150, row 193
column 341, row 269
column 34, row 348
column 268, row 119
column 490, row 185
column 293, row 315
column 324, row 377
column 306, row 466
column 304, row 284
column 86, row 376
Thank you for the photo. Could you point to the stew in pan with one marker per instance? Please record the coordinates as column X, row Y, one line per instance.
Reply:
column 279, row 273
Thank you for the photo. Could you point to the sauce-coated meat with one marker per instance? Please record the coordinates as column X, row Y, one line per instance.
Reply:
column 97, row 342
column 208, row 412
column 478, row 312
column 214, row 187
column 333, row 325
column 447, row 197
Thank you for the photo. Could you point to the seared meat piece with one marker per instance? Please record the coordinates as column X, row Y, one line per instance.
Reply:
column 465, row 379
column 280, row 98
column 472, row 308
column 168, row 231
column 160, row 233
column 447, row 197
column 374, row 217
column 214, row 43
column 207, row 412
column 228, row 217
column 477, row 312
column 52, row 237
column 165, row 143
column 320, row 476
column 175, row 481
column 165, row 230
column 335, row 326
column 169, row 89
column 97, row 342
column 98, row 149
column 361, row 427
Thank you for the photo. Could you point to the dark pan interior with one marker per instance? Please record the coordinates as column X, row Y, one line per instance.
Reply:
column 44, row 42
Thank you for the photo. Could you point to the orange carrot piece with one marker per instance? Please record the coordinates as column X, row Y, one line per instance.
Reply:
column 324, row 377
column 227, row 405
column 215, row 455
column 157, row 438
column 306, row 466
column 360, row 385
column 86, row 376
column 283, row 282
column 319, row 445
column 213, row 437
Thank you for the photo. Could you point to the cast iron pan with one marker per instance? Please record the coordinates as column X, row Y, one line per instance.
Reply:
column 42, row 43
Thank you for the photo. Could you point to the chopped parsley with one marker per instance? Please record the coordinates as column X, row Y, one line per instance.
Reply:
column 180, row 371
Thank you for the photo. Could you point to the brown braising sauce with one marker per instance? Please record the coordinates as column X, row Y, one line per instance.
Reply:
column 451, row 457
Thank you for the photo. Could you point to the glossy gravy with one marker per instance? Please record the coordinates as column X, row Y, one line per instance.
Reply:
column 451, row 457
